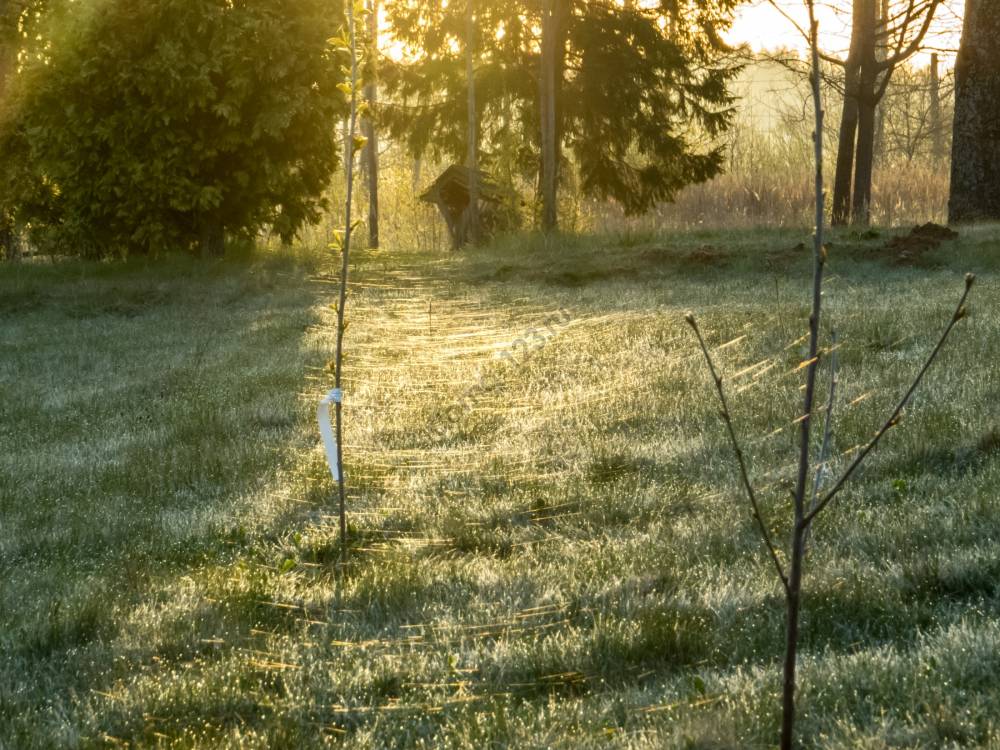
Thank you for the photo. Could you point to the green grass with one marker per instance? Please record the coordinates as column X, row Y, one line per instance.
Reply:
column 565, row 561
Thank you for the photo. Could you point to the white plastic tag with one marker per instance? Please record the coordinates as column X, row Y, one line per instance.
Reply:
column 336, row 396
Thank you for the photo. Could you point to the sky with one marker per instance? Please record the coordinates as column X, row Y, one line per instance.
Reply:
column 764, row 27
column 759, row 24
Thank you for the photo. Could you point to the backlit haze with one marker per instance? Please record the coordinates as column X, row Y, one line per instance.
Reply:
column 763, row 27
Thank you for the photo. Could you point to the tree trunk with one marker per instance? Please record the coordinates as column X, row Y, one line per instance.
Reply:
column 845, row 148
column 213, row 239
column 848, row 122
column 975, row 161
column 554, row 15
column 9, row 246
column 793, row 604
column 471, row 217
column 937, row 126
column 369, row 131
column 867, row 105
column 882, row 52
column 861, row 207
column 418, row 169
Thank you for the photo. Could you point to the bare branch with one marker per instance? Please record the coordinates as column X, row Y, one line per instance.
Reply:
column 788, row 17
column 744, row 474
column 893, row 420
column 904, row 54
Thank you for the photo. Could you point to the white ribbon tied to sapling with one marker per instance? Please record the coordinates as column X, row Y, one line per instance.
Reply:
column 336, row 396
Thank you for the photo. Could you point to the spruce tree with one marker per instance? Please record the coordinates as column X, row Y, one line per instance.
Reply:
column 638, row 94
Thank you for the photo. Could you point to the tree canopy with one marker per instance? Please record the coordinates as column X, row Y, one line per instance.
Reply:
column 641, row 91
column 155, row 124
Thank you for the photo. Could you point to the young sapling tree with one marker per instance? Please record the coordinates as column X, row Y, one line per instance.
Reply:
column 353, row 143
column 809, row 499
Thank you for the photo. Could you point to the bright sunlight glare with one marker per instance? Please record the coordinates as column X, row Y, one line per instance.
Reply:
column 764, row 27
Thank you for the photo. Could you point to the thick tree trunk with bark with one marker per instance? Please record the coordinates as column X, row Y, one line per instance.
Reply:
column 975, row 167
column 845, row 149
column 861, row 205
column 867, row 105
column 844, row 174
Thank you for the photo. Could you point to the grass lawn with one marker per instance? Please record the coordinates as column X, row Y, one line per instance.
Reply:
column 549, row 547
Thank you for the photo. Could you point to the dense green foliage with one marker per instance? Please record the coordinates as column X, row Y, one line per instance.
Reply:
column 642, row 91
column 154, row 124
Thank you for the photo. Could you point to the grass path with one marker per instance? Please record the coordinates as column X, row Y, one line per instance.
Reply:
column 548, row 546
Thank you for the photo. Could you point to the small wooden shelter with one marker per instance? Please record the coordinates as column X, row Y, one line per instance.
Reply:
column 451, row 194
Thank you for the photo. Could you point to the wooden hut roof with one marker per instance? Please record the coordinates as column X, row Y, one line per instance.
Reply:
column 457, row 178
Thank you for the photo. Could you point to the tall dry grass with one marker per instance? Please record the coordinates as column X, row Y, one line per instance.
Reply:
column 767, row 178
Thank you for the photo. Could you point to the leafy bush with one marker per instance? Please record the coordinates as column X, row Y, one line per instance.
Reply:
column 153, row 125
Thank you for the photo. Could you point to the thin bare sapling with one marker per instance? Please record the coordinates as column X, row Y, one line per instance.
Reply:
column 810, row 498
column 353, row 143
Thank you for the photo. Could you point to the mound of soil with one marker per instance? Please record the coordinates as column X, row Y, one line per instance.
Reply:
column 908, row 249
column 706, row 256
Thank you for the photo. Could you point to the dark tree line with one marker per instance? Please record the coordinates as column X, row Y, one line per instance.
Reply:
column 175, row 123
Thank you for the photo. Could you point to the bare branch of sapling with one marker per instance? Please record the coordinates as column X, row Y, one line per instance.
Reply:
column 893, row 420
column 744, row 474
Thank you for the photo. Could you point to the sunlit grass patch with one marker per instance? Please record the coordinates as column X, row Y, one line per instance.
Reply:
column 547, row 542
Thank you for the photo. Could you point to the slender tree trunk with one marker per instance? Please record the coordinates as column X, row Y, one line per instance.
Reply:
column 881, row 51
column 350, row 130
column 878, row 148
column 8, row 241
column 213, row 238
column 553, row 13
column 369, row 130
column 793, row 602
column 975, row 161
column 471, row 218
column 418, row 168
column 842, row 179
column 9, row 247
column 793, row 588
column 937, row 125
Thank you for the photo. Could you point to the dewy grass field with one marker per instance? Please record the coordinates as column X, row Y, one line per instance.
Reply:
column 549, row 546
